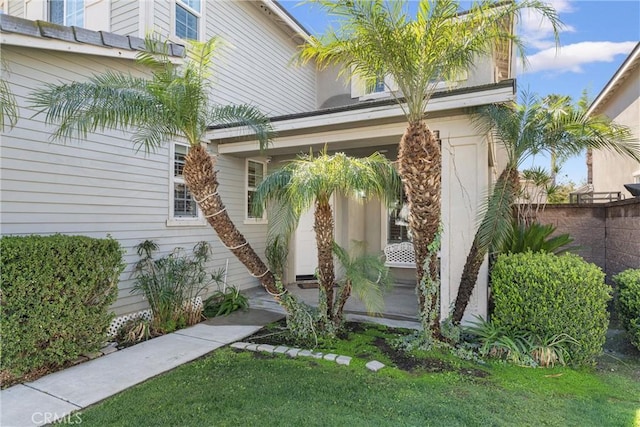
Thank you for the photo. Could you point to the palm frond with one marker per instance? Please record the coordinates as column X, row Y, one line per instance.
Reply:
column 377, row 37
column 244, row 115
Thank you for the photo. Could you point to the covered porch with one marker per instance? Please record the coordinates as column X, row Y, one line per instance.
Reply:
column 468, row 167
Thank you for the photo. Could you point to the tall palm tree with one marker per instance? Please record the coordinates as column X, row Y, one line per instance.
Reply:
column 525, row 130
column 174, row 102
column 378, row 38
column 311, row 181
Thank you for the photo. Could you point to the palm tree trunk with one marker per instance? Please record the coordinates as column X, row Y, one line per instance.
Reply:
column 420, row 166
column 202, row 180
column 478, row 252
column 323, row 226
column 341, row 300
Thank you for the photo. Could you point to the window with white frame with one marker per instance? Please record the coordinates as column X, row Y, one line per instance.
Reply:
column 256, row 171
column 184, row 206
column 636, row 178
column 66, row 12
column 187, row 19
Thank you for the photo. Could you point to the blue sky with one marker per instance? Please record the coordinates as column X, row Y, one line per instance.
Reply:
column 596, row 39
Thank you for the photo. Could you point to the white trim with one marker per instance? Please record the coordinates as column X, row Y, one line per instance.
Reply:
column 617, row 78
column 200, row 15
column 286, row 19
column 12, row 39
column 247, row 219
column 464, row 100
column 146, row 16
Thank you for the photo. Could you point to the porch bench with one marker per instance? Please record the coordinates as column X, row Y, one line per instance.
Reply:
column 400, row 255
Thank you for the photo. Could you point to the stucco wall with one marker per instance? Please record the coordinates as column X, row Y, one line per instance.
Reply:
column 610, row 170
column 609, row 234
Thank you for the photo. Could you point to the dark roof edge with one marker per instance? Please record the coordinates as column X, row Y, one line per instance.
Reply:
column 381, row 103
column 293, row 18
column 606, row 88
column 48, row 31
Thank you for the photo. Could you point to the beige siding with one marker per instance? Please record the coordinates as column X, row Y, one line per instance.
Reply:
column 610, row 170
column 125, row 17
column 100, row 186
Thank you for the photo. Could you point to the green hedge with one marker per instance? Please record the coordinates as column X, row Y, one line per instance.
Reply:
column 628, row 303
column 547, row 295
column 56, row 292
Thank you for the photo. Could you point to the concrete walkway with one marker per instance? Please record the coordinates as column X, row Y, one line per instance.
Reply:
column 56, row 395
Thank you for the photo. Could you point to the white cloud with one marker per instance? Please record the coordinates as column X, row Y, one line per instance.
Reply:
column 572, row 57
column 538, row 32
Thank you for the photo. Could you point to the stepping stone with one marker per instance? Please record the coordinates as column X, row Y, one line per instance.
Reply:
column 252, row 347
column 330, row 357
column 317, row 355
column 266, row 348
column 374, row 366
column 293, row 352
column 111, row 348
column 240, row 345
column 281, row 349
column 305, row 353
column 343, row 360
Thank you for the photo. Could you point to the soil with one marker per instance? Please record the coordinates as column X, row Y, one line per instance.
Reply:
column 400, row 359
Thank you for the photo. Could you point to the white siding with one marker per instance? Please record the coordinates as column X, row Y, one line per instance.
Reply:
column 125, row 17
column 16, row 8
column 254, row 66
column 100, row 186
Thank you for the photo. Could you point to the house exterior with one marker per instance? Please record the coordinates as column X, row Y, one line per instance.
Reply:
column 102, row 186
column 619, row 100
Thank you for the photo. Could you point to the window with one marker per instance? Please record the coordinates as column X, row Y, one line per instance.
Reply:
column 377, row 86
column 67, row 12
column 255, row 174
column 636, row 178
column 398, row 221
column 184, row 207
column 188, row 19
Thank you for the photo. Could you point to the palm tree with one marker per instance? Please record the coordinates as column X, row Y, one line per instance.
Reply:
column 377, row 38
column 172, row 103
column 363, row 274
column 311, row 181
column 525, row 130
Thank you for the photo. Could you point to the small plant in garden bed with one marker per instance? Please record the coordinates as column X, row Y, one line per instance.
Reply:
column 225, row 302
column 171, row 284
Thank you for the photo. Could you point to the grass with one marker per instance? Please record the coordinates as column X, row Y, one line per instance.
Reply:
column 245, row 388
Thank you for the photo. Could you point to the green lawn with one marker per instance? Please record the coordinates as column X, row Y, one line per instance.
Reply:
column 245, row 388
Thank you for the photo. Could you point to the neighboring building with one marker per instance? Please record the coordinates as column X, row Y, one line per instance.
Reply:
column 619, row 101
column 103, row 186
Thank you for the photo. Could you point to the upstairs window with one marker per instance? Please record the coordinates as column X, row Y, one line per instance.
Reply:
column 188, row 19
column 67, row 12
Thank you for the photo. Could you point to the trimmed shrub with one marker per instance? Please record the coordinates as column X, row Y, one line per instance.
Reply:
column 547, row 295
column 56, row 292
column 628, row 303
